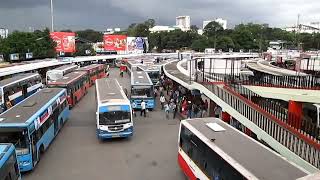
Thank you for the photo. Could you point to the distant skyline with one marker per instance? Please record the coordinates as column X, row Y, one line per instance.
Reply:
column 103, row 14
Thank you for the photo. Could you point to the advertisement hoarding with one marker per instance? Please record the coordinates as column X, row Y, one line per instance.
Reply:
column 114, row 42
column 137, row 45
column 65, row 41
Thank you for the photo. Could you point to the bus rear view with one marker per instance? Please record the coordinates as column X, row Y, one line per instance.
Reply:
column 114, row 113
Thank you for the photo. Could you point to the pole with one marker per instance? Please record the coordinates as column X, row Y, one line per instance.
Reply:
column 51, row 7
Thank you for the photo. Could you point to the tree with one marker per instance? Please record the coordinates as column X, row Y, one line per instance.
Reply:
column 90, row 35
column 82, row 48
column 194, row 28
column 200, row 44
column 141, row 30
column 150, row 23
column 213, row 29
column 225, row 43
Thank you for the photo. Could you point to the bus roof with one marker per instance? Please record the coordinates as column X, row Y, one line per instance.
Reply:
column 68, row 78
column 66, row 67
column 109, row 90
column 140, row 78
column 21, row 114
column 17, row 78
column 262, row 162
column 5, row 152
column 89, row 67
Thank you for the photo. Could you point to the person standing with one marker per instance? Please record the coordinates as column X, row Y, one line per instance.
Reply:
column 174, row 109
column 162, row 101
column 205, row 108
column 143, row 108
column 167, row 110
column 134, row 106
column 189, row 107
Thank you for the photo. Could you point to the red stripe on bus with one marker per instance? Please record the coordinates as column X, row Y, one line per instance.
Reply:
column 185, row 168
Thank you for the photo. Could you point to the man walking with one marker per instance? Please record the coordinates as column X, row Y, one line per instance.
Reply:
column 143, row 108
column 162, row 101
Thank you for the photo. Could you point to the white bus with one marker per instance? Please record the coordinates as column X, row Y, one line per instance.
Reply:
column 114, row 113
column 211, row 149
column 58, row 73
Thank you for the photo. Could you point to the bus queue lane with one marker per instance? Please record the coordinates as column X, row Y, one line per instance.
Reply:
column 76, row 153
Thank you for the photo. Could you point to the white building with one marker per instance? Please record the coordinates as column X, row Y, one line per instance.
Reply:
column 162, row 29
column 221, row 21
column 304, row 28
column 4, row 33
column 183, row 22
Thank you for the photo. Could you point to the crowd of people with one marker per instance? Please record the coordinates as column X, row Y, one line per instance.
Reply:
column 175, row 99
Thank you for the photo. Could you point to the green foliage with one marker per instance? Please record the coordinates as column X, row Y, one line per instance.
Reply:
column 81, row 49
column 38, row 42
column 90, row 35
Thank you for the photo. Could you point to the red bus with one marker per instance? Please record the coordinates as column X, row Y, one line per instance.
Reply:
column 211, row 149
column 95, row 71
column 76, row 83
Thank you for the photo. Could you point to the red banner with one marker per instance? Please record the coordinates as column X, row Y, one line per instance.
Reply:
column 65, row 41
column 115, row 42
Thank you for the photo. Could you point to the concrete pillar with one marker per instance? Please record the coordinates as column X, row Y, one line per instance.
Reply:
column 295, row 114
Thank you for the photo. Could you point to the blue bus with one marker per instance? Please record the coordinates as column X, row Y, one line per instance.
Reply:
column 9, row 169
column 32, row 124
column 154, row 72
column 142, row 88
column 17, row 88
column 114, row 113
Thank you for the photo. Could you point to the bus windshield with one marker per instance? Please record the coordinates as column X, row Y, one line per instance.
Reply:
column 154, row 75
column 114, row 117
column 17, row 137
column 146, row 92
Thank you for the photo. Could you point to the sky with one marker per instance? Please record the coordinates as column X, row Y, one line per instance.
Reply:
column 27, row 15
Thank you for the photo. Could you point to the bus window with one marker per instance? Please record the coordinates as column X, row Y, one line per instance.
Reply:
column 17, row 137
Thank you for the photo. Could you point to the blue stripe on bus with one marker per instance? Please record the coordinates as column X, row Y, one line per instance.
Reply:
column 107, row 135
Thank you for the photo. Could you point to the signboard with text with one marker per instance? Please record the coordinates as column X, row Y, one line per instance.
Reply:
column 65, row 41
column 114, row 42
column 137, row 45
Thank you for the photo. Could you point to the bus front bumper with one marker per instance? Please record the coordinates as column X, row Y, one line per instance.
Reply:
column 108, row 135
column 25, row 162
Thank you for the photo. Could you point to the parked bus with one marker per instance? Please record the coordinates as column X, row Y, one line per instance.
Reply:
column 32, row 124
column 55, row 74
column 114, row 113
column 211, row 149
column 9, row 169
column 141, row 89
column 154, row 72
column 76, row 83
column 15, row 89
column 95, row 71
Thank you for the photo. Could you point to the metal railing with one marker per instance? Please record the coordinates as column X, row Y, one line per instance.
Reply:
column 269, row 117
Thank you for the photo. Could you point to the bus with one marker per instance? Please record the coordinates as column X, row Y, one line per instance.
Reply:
column 95, row 71
column 15, row 89
column 76, row 83
column 114, row 113
column 9, row 169
column 154, row 72
column 32, row 124
column 59, row 72
column 141, row 89
column 208, row 148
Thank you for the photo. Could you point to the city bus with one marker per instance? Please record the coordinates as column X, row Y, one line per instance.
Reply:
column 15, row 89
column 76, row 83
column 59, row 72
column 114, row 113
column 209, row 149
column 141, row 89
column 95, row 71
column 154, row 72
column 32, row 124
column 9, row 169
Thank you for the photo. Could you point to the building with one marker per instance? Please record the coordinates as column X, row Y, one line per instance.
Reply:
column 221, row 21
column 4, row 33
column 163, row 29
column 304, row 28
column 183, row 22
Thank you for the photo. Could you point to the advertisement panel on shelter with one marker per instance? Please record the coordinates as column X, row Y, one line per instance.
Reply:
column 137, row 45
column 115, row 42
column 65, row 41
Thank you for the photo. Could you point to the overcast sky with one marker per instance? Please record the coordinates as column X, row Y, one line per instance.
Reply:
column 102, row 14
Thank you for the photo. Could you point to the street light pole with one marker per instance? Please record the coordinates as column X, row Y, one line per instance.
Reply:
column 51, row 7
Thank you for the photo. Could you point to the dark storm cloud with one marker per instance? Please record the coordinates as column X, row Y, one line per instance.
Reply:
column 102, row 14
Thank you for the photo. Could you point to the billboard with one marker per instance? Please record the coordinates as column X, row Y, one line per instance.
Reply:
column 114, row 42
column 137, row 44
column 65, row 41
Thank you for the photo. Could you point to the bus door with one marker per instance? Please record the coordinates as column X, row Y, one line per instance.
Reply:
column 55, row 119
column 33, row 142
column 25, row 90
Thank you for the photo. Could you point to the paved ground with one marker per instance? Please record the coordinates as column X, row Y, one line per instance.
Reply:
column 76, row 153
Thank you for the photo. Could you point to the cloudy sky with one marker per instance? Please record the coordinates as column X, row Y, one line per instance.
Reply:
column 102, row 14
